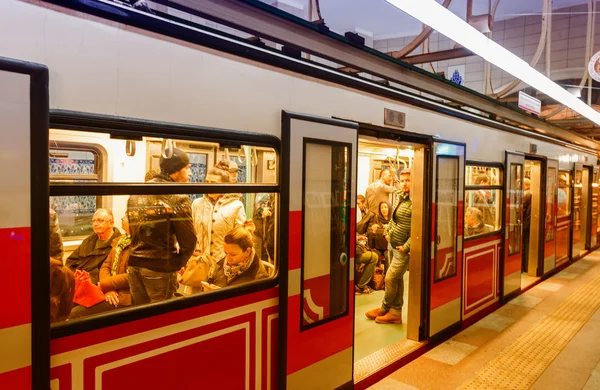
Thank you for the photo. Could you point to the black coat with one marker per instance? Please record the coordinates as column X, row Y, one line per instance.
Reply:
column 157, row 223
column 368, row 219
column 89, row 258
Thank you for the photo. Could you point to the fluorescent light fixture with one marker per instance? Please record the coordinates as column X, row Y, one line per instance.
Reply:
column 445, row 22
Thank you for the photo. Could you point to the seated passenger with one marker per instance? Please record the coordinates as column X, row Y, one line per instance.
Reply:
column 62, row 289
column 95, row 248
column 113, row 278
column 214, row 216
column 240, row 263
column 56, row 245
column 369, row 257
column 474, row 222
column 368, row 218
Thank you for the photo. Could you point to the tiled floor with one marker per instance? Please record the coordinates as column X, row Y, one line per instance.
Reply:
column 566, row 343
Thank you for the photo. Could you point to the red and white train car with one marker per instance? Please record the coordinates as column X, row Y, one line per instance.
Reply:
column 113, row 77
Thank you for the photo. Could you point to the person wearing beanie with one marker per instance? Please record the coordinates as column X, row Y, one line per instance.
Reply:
column 162, row 234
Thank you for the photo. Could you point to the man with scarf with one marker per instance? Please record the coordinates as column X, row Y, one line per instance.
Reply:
column 398, row 236
column 162, row 233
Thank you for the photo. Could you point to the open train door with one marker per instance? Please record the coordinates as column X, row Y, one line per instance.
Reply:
column 594, row 223
column 25, row 319
column 317, row 280
column 550, row 220
column 513, row 229
column 447, row 235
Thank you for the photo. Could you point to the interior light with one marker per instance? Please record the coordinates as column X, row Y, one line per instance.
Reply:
column 445, row 22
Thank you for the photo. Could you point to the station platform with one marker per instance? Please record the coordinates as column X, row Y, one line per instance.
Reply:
column 547, row 338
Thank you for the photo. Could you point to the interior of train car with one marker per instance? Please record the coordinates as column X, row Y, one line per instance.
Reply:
column 98, row 227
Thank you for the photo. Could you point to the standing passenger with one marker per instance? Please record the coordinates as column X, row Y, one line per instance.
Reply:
column 162, row 234
column 380, row 190
column 398, row 235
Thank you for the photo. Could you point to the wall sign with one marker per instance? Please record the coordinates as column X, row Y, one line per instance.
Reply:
column 529, row 103
column 594, row 67
column 456, row 74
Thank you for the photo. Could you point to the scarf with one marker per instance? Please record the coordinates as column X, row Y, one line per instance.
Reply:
column 123, row 243
column 231, row 271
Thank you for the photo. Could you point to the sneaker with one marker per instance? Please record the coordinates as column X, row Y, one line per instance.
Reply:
column 389, row 318
column 363, row 291
column 374, row 313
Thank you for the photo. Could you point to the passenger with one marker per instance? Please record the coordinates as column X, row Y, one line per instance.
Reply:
column 62, row 290
column 483, row 200
column 368, row 218
column 383, row 216
column 369, row 257
column 95, row 248
column 264, row 221
column 56, row 245
column 214, row 216
column 380, row 190
column 162, row 234
column 230, row 167
column 151, row 174
column 113, row 278
column 239, row 264
column 398, row 235
column 474, row 222
column 378, row 240
column 526, row 224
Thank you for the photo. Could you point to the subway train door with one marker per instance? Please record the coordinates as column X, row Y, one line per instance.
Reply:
column 25, row 318
column 578, row 238
column 550, row 220
column 513, row 223
column 447, row 236
column 316, row 281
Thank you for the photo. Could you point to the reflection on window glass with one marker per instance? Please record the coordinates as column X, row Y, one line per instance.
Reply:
column 446, row 216
column 483, row 200
column 326, row 228
column 75, row 166
column 515, row 195
column 564, row 194
column 483, row 176
column 551, row 190
column 183, row 248
column 577, row 190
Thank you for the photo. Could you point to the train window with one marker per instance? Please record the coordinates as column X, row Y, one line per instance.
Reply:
column 515, row 195
column 75, row 164
column 564, row 194
column 211, row 229
column 550, row 203
column 483, row 200
column 446, row 216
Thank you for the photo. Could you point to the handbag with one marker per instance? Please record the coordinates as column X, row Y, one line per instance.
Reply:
column 196, row 271
column 87, row 294
column 378, row 279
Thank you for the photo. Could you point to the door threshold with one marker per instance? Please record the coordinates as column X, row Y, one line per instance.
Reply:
column 383, row 358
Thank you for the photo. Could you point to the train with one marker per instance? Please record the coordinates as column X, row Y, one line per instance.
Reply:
column 95, row 92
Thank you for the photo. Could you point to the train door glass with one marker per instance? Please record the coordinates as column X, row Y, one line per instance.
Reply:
column 533, row 223
column 576, row 244
column 316, row 286
column 586, row 199
column 446, row 265
column 563, row 217
column 595, row 226
column 514, row 223
column 550, row 219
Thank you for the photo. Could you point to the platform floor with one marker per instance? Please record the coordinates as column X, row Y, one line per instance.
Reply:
column 547, row 338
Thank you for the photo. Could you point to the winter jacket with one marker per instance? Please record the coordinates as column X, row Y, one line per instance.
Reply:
column 160, row 223
column 256, row 271
column 89, row 258
column 365, row 223
column 118, row 282
column 213, row 220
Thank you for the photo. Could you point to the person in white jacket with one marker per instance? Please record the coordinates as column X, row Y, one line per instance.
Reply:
column 214, row 216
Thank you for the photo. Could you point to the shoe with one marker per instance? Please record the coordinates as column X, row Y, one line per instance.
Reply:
column 374, row 313
column 389, row 318
column 363, row 291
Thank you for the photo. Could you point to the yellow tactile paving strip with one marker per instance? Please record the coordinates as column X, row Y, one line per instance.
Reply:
column 522, row 363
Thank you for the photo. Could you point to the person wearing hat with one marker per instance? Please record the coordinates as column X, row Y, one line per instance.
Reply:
column 162, row 234
column 230, row 167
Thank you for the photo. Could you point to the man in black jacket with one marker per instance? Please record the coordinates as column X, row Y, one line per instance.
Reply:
column 368, row 218
column 95, row 248
column 162, row 234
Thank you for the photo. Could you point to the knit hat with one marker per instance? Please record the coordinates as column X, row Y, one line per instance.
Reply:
column 177, row 162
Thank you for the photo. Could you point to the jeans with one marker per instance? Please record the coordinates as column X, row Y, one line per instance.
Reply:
column 149, row 286
column 394, row 282
column 370, row 259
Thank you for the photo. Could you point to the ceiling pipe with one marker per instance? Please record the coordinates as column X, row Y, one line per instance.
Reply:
column 589, row 48
column 419, row 39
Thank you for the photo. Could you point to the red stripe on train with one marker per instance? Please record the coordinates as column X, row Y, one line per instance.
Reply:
column 16, row 379
column 16, row 286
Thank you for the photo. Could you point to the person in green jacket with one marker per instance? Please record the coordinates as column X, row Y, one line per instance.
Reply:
column 398, row 236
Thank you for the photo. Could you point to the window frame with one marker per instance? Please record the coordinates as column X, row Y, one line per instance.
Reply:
column 134, row 129
column 571, row 187
column 500, row 187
